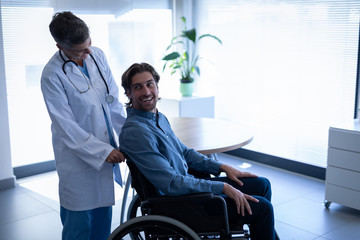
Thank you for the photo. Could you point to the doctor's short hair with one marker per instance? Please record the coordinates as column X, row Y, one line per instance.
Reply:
column 126, row 79
column 68, row 30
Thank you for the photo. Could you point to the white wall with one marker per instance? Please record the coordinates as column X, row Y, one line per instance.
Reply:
column 7, row 178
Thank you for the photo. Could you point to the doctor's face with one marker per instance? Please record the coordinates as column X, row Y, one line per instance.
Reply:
column 78, row 52
column 144, row 92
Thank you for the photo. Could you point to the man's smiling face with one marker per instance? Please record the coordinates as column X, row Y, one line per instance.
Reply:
column 144, row 92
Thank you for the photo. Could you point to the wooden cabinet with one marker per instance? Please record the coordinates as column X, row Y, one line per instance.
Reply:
column 343, row 166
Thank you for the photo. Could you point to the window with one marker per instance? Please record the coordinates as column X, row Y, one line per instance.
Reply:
column 286, row 68
column 127, row 33
column 26, row 46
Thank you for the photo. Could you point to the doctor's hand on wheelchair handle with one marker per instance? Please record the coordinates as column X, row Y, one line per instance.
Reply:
column 115, row 157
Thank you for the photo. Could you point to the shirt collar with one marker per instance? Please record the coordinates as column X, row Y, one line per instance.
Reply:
column 140, row 113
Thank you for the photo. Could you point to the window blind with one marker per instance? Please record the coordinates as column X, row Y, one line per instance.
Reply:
column 286, row 68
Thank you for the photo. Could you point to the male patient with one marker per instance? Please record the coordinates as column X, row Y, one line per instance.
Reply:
column 148, row 140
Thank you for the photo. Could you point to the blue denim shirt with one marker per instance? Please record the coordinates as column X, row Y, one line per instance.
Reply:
column 148, row 140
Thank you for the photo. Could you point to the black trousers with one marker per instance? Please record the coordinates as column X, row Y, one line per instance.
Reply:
column 262, row 219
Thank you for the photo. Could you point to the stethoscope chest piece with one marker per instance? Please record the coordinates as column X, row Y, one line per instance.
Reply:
column 109, row 98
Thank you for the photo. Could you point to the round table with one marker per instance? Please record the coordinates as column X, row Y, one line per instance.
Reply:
column 210, row 135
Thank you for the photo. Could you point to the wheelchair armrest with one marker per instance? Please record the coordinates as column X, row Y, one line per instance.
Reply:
column 182, row 198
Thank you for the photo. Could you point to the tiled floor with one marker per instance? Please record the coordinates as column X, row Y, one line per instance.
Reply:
column 31, row 210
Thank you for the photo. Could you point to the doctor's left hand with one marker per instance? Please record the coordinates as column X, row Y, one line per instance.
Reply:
column 115, row 157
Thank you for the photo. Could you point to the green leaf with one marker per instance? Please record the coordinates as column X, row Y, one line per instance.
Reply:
column 190, row 34
column 176, row 40
column 183, row 19
column 195, row 60
column 164, row 66
column 186, row 55
column 212, row 36
column 171, row 56
column 172, row 65
column 168, row 47
column 197, row 69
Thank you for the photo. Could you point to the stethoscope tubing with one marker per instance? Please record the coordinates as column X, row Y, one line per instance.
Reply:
column 97, row 66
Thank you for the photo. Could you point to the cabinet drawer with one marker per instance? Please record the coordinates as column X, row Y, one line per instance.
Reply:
column 342, row 177
column 344, row 139
column 344, row 159
column 344, row 196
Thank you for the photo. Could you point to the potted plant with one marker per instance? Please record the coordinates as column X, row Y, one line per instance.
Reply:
column 185, row 60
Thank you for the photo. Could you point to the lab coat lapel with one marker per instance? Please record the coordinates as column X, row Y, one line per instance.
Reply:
column 71, row 69
column 93, row 71
column 99, row 87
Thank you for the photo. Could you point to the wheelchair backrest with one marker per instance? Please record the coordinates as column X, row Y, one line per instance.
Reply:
column 143, row 187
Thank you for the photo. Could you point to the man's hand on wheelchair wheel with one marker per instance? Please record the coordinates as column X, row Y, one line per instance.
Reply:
column 241, row 199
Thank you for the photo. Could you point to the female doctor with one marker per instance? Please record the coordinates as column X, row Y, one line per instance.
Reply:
column 81, row 97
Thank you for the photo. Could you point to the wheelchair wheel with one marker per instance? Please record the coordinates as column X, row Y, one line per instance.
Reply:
column 134, row 208
column 134, row 211
column 153, row 227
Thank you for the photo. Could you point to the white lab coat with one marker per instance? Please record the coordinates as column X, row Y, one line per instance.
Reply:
column 80, row 136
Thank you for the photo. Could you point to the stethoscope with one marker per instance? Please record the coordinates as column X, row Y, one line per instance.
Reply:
column 109, row 98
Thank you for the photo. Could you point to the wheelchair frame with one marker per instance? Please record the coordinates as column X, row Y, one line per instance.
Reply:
column 169, row 224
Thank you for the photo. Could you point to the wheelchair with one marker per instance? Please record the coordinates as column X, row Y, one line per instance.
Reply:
column 176, row 217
